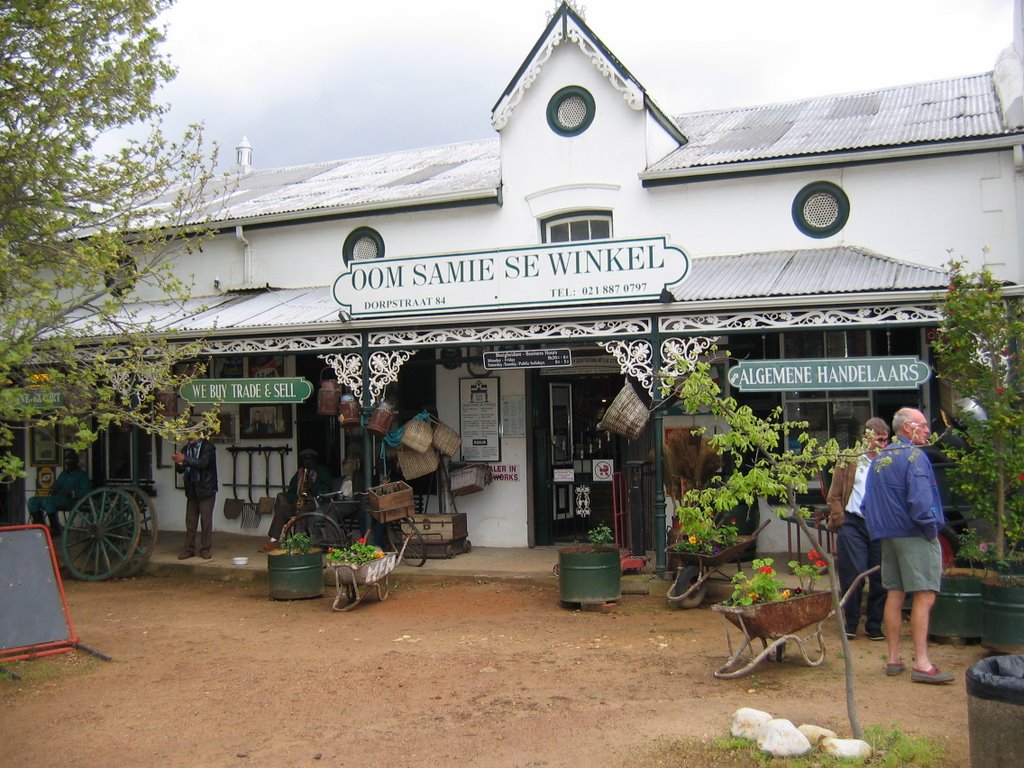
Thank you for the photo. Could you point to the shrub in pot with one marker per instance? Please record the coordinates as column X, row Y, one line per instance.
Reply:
column 296, row 569
column 590, row 573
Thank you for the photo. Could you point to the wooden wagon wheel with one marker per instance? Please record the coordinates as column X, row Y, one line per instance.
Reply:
column 148, row 530
column 101, row 535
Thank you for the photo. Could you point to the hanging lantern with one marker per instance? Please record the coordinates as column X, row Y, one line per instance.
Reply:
column 380, row 420
column 348, row 411
column 327, row 397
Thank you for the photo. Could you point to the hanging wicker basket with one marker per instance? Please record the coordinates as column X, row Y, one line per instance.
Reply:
column 627, row 415
column 417, row 435
column 415, row 464
column 446, row 439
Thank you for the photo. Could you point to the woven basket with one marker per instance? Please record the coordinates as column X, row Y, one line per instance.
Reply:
column 415, row 464
column 627, row 415
column 417, row 435
column 446, row 439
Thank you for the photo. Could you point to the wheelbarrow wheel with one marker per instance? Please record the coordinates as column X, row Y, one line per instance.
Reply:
column 686, row 578
column 101, row 535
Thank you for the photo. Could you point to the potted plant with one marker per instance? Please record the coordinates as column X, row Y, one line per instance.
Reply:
column 590, row 574
column 295, row 570
column 957, row 612
column 978, row 354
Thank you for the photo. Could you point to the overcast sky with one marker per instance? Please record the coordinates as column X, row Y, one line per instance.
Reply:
column 315, row 80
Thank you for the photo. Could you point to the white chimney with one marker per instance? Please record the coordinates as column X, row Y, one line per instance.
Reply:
column 243, row 156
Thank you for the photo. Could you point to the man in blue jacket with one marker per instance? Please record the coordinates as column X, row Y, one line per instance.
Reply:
column 902, row 508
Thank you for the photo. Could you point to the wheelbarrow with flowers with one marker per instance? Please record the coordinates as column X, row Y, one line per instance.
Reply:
column 763, row 608
column 359, row 569
column 702, row 550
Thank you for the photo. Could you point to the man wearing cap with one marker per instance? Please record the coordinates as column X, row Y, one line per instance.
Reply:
column 198, row 464
column 71, row 485
column 311, row 480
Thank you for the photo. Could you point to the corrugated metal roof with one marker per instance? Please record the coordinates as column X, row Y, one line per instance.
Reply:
column 943, row 110
column 802, row 273
column 767, row 275
column 409, row 176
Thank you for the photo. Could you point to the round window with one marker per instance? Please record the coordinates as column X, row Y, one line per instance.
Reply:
column 363, row 244
column 571, row 111
column 821, row 209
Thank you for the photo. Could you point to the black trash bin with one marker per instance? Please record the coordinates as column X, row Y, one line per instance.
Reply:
column 995, row 711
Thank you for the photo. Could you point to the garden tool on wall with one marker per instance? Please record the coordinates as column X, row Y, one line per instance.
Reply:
column 233, row 506
column 250, row 510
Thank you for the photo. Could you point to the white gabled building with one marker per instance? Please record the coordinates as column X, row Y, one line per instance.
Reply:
column 598, row 222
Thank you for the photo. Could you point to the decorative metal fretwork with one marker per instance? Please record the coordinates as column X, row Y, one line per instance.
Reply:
column 679, row 355
column 631, row 93
column 280, row 344
column 635, row 358
column 505, row 334
column 582, row 501
column 802, row 318
column 132, row 386
column 348, row 368
column 384, row 368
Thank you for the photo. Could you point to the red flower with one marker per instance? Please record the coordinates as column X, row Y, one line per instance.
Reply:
column 999, row 390
column 362, row 540
column 813, row 555
column 765, row 569
column 1021, row 477
column 821, row 563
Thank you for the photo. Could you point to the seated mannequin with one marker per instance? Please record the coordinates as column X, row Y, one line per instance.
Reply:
column 71, row 485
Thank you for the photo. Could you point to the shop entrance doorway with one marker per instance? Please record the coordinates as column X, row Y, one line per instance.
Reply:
column 573, row 487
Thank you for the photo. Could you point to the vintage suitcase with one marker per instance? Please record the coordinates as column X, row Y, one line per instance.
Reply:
column 444, row 535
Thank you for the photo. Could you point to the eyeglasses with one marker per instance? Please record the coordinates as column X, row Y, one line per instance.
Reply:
column 917, row 424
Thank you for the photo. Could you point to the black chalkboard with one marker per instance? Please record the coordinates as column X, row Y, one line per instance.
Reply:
column 32, row 608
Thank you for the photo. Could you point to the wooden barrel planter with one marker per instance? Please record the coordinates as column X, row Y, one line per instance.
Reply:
column 1002, row 616
column 589, row 575
column 295, row 576
column 957, row 612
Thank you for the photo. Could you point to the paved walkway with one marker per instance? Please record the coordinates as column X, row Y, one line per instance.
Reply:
column 535, row 563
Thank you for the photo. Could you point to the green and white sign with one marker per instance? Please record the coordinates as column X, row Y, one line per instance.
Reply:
column 829, row 373
column 596, row 272
column 41, row 398
column 264, row 390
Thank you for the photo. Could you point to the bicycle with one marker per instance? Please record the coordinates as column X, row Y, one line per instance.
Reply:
column 336, row 524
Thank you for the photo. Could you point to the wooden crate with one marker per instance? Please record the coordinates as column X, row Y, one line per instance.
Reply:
column 390, row 496
column 388, row 515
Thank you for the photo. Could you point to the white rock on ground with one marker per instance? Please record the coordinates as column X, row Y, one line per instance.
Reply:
column 747, row 722
column 780, row 738
column 845, row 747
column 815, row 733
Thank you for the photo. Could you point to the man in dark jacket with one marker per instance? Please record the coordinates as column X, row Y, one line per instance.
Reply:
column 198, row 463
column 855, row 551
column 902, row 508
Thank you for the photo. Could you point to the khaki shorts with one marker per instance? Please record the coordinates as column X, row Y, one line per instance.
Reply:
column 911, row 564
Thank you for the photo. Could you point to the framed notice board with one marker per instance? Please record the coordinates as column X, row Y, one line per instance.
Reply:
column 480, row 419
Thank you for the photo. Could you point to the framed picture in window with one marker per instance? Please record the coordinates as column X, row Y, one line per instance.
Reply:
column 44, row 446
column 229, row 367
column 262, row 366
column 265, row 420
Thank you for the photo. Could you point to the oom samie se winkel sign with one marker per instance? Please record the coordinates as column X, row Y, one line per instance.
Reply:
column 596, row 272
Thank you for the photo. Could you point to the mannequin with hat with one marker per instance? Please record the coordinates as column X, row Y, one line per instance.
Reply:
column 310, row 480
column 71, row 485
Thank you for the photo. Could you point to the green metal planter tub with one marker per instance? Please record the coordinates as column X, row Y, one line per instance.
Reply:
column 294, row 576
column 589, row 575
column 1002, row 617
column 957, row 610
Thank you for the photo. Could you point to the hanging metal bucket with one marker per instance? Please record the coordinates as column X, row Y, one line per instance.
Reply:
column 327, row 397
column 348, row 411
column 380, row 421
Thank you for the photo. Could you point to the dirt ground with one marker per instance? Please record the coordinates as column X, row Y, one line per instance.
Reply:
column 483, row 674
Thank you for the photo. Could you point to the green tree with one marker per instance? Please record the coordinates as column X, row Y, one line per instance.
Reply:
column 979, row 356
column 771, row 458
column 84, row 237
